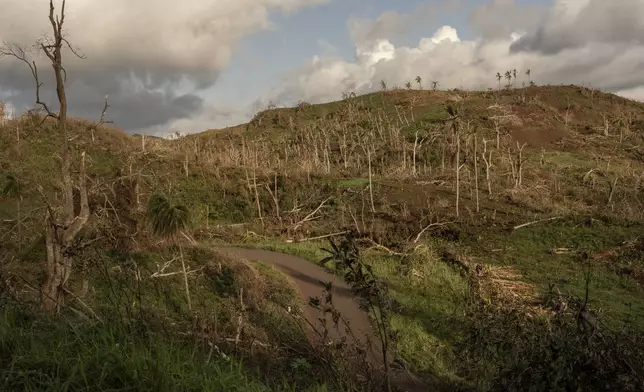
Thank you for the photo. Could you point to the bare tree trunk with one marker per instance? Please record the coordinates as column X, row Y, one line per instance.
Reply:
column 414, row 155
column 257, row 203
column 344, row 149
column 185, row 277
column 373, row 208
column 275, row 197
column 519, row 165
column 60, row 232
column 606, row 125
column 59, row 241
column 457, row 166
column 476, row 171
column 443, row 158
column 613, row 186
column 488, row 163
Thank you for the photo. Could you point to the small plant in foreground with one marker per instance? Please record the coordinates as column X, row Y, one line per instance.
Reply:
column 372, row 292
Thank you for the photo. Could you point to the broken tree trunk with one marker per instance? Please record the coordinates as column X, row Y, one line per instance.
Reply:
column 60, row 240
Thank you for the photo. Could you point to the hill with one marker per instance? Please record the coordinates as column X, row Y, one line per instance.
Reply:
column 498, row 219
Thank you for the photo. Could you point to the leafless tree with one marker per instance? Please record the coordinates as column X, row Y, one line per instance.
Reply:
column 487, row 159
column 518, row 165
column 454, row 122
column 476, row 170
column 63, row 225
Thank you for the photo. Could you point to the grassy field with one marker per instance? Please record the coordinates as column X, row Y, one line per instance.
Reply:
column 435, row 198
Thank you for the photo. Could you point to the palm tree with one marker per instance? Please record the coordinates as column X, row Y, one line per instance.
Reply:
column 167, row 220
column 528, row 72
column 514, row 73
column 435, row 85
column 419, row 81
column 383, row 85
column 498, row 78
column 12, row 190
column 408, row 85
column 508, row 76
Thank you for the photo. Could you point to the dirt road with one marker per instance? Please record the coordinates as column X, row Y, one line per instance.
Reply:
column 307, row 277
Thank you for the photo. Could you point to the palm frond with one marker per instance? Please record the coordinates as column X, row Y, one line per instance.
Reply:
column 166, row 219
column 452, row 110
column 12, row 187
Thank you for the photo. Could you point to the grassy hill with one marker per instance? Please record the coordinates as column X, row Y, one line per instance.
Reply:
column 493, row 217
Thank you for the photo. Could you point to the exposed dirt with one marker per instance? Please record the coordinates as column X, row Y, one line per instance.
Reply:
column 307, row 276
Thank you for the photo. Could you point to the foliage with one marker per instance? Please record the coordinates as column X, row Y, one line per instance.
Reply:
column 165, row 218
column 12, row 187
column 521, row 354
column 371, row 291
column 106, row 358
column 298, row 157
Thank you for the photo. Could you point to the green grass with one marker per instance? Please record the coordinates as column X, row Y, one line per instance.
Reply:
column 352, row 183
column 40, row 353
column 430, row 297
column 619, row 298
column 430, row 294
column 37, row 354
column 432, row 315
column 434, row 311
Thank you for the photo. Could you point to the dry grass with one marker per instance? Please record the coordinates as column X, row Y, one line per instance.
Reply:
column 384, row 165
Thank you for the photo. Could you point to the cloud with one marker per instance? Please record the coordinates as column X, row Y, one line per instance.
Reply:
column 214, row 115
column 152, row 56
column 572, row 24
column 391, row 24
column 611, row 61
column 500, row 18
column 636, row 93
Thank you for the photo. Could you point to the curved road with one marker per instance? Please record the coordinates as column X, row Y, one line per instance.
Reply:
column 307, row 277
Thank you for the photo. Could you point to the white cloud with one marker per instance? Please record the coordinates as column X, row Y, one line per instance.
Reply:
column 151, row 56
column 198, row 35
column 572, row 24
column 214, row 115
column 636, row 93
column 391, row 24
column 612, row 62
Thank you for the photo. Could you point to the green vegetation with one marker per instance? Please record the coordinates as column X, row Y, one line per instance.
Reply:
column 506, row 226
column 38, row 354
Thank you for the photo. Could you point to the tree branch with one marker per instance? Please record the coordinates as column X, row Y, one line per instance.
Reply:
column 16, row 51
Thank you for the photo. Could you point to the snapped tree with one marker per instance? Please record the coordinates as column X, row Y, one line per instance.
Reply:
column 62, row 224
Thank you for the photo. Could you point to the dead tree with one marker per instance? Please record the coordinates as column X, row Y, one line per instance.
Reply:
column 520, row 160
column 62, row 224
column 476, row 171
column 487, row 159
column 454, row 124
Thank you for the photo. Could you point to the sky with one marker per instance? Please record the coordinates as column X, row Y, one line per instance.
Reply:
column 169, row 66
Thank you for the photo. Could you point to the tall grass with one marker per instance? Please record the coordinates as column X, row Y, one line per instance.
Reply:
column 38, row 354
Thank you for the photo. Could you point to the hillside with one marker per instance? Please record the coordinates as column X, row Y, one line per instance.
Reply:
column 497, row 219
